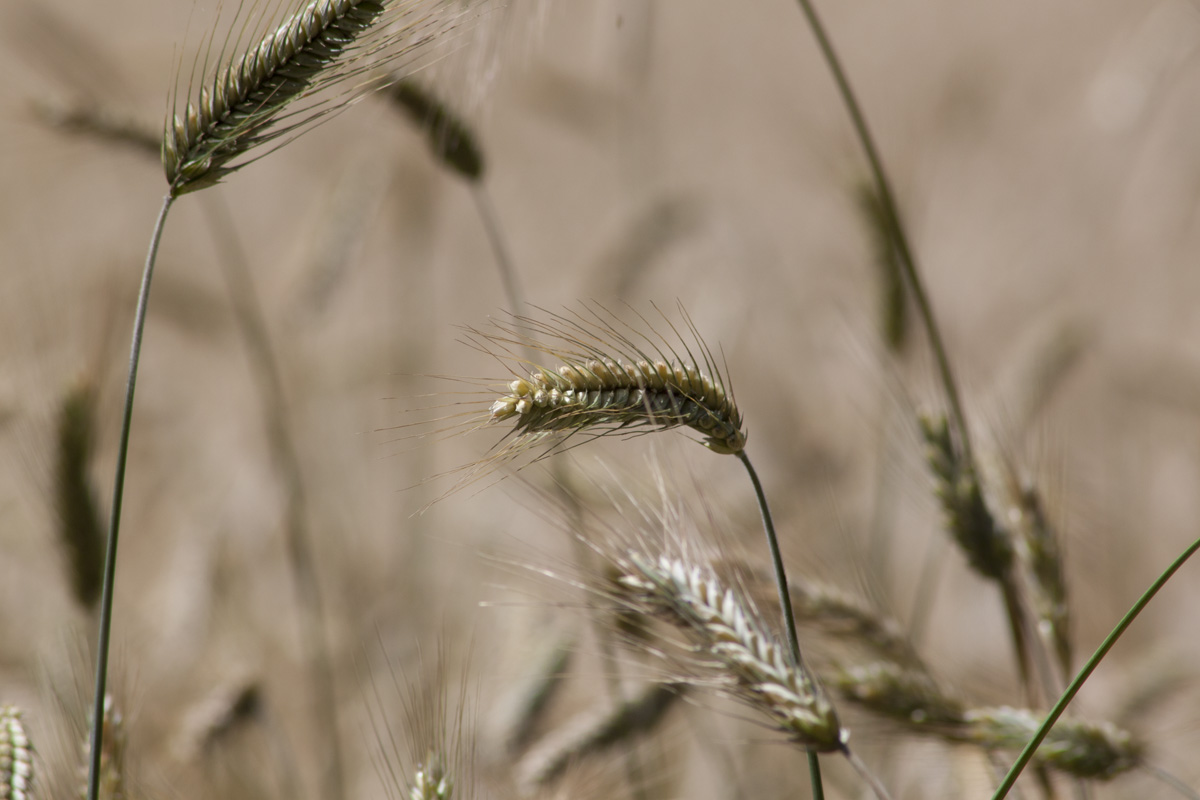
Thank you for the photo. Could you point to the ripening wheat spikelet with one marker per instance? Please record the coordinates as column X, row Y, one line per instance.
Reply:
column 610, row 378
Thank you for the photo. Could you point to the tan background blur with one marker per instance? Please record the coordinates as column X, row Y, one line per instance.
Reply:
column 1046, row 159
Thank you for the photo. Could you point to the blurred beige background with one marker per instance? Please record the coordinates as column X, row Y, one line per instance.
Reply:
column 1045, row 157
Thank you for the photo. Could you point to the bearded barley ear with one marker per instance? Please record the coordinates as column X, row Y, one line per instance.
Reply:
column 1088, row 750
column 592, row 733
column 273, row 89
column 608, row 382
column 16, row 757
column 733, row 647
column 450, row 139
column 80, row 530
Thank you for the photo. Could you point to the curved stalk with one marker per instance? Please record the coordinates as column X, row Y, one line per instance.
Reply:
column 110, row 555
column 1088, row 668
column 891, row 214
column 785, row 601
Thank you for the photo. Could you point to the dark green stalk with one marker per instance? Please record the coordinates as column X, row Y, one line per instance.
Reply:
column 1088, row 668
column 110, row 555
column 785, row 601
column 891, row 215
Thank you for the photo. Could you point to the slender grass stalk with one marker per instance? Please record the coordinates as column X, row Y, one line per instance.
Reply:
column 891, row 215
column 114, row 526
column 785, row 601
column 1088, row 668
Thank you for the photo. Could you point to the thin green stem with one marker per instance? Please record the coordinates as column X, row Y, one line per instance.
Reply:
column 785, row 601
column 892, row 217
column 110, row 556
column 1088, row 668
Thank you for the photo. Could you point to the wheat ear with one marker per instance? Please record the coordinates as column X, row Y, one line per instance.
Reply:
column 16, row 757
column 251, row 98
column 80, row 529
column 594, row 732
column 608, row 382
column 741, row 653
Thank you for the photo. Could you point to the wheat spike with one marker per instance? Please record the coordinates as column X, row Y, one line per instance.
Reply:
column 592, row 732
column 988, row 547
column 16, row 757
column 1081, row 749
column 81, row 531
column 450, row 138
column 609, row 382
column 910, row 696
column 253, row 97
column 739, row 651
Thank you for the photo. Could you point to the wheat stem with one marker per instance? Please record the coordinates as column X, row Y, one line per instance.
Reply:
column 110, row 555
column 785, row 601
column 891, row 215
column 504, row 263
column 1087, row 669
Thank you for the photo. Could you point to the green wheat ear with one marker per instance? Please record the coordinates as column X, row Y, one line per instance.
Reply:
column 273, row 89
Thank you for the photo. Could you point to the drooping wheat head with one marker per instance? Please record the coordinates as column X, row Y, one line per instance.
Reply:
column 275, row 87
column 611, row 378
column 732, row 646
column 1076, row 747
column 912, row 697
column 594, row 732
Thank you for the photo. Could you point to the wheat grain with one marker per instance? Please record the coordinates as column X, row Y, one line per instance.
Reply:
column 271, row 90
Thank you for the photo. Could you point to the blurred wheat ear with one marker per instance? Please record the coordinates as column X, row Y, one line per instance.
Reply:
column 81, row 531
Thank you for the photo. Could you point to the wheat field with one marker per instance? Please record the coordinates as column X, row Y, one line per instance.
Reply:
column 642, row 158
